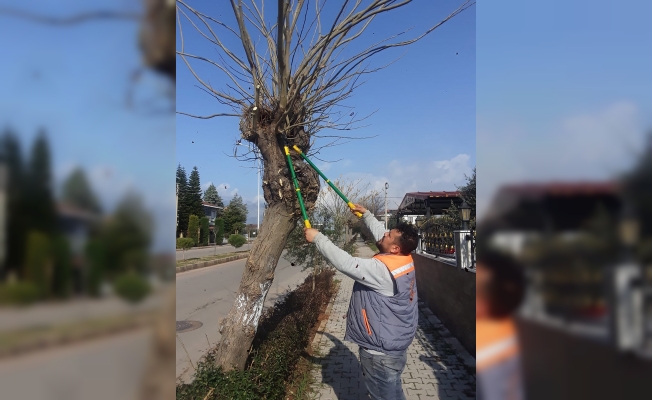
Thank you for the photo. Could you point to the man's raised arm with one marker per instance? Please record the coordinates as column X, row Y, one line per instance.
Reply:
column 376, row 227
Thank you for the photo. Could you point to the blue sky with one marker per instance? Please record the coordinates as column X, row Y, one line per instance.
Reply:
column 425, row 119
column 563, row 90
column 72, row 81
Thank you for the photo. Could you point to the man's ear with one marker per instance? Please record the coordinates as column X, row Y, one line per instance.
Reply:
column 395, row 249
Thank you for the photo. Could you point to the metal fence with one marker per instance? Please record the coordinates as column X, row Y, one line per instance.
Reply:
column 438, row 239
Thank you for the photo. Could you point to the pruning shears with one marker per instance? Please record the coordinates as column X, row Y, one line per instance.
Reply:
column 306, row 221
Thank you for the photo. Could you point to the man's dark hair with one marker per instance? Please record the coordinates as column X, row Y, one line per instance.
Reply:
column 506, row 288
column 409, row 239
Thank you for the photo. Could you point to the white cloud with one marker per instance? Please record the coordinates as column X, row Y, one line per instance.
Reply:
column 323, row 167
column 420, row 176
column 590, row 145
column 206, row 185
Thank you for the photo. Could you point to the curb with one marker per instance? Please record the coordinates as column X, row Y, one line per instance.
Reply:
column 211, row 263
column 70, row 338
column 210, row 247
column 457, row 347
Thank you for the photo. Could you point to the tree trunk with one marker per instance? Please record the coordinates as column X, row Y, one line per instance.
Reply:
column 239, row 326
column 283, row 212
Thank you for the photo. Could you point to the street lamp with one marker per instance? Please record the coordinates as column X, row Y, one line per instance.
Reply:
column 386, row 187
column 465, row 214
column 419, row 222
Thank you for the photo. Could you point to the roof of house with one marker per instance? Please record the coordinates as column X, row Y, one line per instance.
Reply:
column 205, row 204
column 418, row 203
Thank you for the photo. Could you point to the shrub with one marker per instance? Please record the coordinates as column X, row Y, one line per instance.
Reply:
column 204, row 231
column 283, row 334
column 38, row 260
column 193, row 228
column 185, row 243
column 62, row 279
column 19, row 293
column 131, row 287
column 237, row 240
column 219, row 230
column 96, row 256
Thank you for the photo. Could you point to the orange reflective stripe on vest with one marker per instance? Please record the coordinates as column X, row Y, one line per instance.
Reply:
column 496, row 341
column 398, row 265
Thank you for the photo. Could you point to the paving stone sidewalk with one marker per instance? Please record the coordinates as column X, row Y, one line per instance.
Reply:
column 437, row 367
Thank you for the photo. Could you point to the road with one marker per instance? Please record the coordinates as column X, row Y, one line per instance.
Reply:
column 102, row 369
column 206, row 295
column 198, row 253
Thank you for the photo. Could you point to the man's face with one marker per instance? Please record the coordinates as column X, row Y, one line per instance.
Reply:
column 389, row 242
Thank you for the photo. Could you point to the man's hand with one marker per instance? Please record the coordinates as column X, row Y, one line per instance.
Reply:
column 358, row 208
column 310, row 234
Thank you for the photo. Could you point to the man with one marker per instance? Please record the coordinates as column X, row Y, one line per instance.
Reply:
column 383, row 314
column 500, row 287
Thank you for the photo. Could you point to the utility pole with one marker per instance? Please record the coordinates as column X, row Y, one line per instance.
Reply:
column 258, row 198
column 386, row 187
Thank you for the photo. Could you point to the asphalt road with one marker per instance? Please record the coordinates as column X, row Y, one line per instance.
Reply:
column 103, row 369
column 198, row 253
column 206, row 295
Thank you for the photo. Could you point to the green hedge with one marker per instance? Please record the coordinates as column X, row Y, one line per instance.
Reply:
column 19, row 293
column 204, row 228
column 283, row 334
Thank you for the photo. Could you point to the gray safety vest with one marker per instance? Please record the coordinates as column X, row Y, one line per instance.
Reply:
column 385, row 323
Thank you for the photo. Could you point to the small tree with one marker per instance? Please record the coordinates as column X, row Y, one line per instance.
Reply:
column 204, row 231
column 193, row 228
column 185, row 244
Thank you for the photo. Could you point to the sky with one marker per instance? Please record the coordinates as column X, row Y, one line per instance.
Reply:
column 73, row 82
column 563, row 91
column 424, row 123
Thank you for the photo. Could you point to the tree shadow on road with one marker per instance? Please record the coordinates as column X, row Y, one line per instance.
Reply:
column 340, row 369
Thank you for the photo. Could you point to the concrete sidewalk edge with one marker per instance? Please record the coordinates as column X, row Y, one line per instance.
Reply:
column 205, row 264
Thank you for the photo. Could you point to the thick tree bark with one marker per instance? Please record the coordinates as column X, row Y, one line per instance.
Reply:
column 283, row 212
column 239, row 326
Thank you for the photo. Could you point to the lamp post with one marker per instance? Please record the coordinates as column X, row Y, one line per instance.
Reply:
column 419, row 223
column 386, row 187
column 465, row 215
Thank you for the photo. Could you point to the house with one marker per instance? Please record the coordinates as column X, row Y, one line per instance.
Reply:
column 210, row 211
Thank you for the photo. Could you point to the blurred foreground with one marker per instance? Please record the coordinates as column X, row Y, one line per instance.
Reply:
column 585, row 325
column 86, row 204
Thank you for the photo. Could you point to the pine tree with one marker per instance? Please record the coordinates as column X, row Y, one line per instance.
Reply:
column 78, row 192
column 183, row 211
column 40, row 198
column 194, row 194
column 235, row 216
column 213, row 197
column 15, row 211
